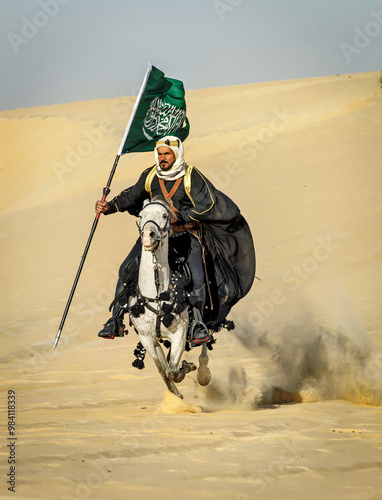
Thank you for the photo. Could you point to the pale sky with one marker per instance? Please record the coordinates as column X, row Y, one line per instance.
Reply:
column 58, row 51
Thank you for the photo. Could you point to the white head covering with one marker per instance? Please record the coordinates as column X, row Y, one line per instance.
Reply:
column 179, row 167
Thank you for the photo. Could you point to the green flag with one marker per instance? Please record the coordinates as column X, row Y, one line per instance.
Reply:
column 160, row 110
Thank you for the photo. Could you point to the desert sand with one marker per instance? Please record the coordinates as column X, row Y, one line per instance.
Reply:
column 293, row 410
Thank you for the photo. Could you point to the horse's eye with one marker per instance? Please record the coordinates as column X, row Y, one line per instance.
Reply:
column 164, row 216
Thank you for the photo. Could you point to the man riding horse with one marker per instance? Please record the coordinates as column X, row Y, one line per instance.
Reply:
column 208, row 229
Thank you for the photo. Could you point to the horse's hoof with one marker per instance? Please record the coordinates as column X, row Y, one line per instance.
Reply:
column 204, row 376
column 188, row 367
column 176, row 393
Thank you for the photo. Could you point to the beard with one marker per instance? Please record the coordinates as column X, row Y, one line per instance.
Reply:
column 164, row 165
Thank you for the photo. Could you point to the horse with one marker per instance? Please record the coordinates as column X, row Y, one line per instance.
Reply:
column 154, row 280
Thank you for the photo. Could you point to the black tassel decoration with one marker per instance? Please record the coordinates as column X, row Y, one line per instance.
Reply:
column 167, row 319
column 165, row 296
column 209, row 344
column 138, row 363
column 139, row 353
column 137, row 309
column 229, row 325
column 166, row 308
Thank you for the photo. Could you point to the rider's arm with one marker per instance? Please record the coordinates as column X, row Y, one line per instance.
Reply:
column 130, row 199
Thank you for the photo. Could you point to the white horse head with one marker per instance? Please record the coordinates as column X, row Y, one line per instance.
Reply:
column 155, row 226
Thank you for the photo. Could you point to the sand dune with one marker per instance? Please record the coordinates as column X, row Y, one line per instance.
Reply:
column 293, row 410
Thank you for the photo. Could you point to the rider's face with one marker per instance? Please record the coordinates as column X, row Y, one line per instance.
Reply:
column 166, row 157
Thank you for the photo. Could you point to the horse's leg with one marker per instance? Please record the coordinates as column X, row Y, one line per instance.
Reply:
column 178, row 342
column 203, row 374
column 156, row 353
column 161, row 363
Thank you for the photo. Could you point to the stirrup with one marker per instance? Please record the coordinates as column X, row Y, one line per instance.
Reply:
column 112, row 329
column 207, row 337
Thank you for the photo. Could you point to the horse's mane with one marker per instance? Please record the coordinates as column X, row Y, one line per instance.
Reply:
column 166, row 203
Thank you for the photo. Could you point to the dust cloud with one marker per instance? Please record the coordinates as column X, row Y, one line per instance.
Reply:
column 300, row 361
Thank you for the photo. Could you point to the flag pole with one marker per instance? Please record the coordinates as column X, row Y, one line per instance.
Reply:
column 106, row 191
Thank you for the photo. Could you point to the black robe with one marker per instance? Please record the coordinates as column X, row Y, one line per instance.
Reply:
column 230, row 253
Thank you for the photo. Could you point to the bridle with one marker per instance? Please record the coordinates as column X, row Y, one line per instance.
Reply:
column 162, row 232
